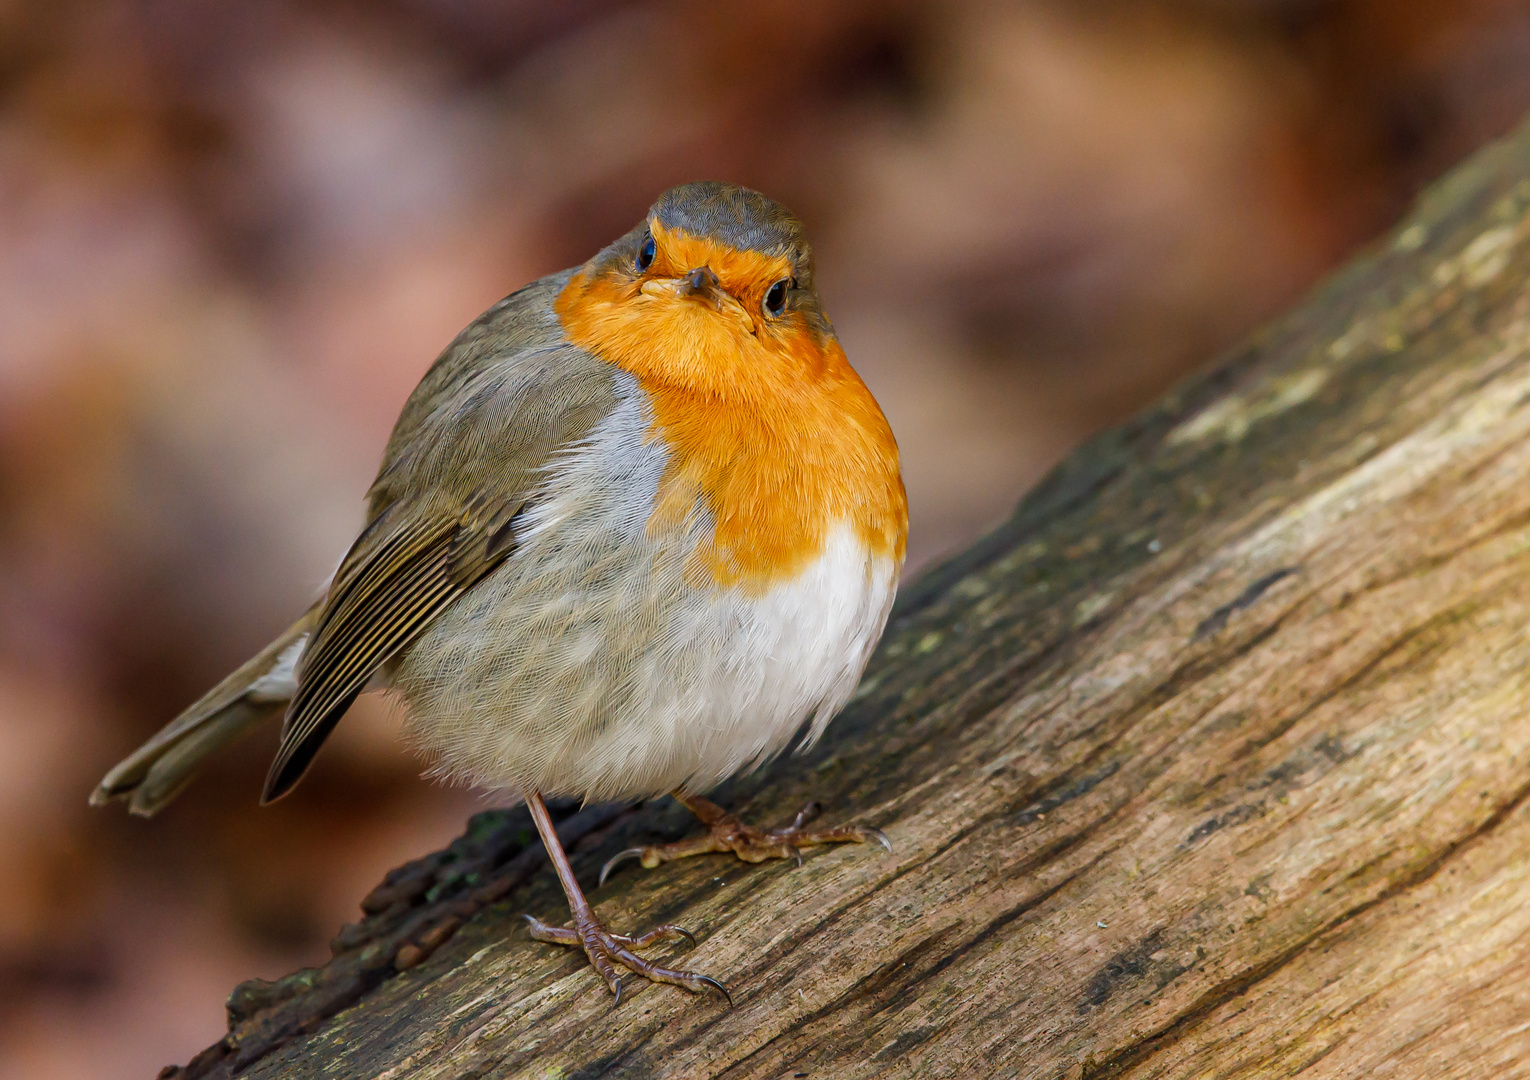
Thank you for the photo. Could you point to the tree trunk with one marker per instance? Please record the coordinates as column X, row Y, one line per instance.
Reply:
column 1212, row 761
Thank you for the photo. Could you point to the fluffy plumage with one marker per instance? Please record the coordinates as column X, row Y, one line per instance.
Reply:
column 635, row 526
column 629, row 534
column 589, row 664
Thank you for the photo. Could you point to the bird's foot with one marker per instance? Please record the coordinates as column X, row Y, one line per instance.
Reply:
column 725, row 832
column 607, row 951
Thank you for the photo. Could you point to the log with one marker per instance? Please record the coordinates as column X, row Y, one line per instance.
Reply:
column 1211, row 761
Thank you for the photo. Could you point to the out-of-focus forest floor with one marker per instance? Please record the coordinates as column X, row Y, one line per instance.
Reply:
column 233, row 236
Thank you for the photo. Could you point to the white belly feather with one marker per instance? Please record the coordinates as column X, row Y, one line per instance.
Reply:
column 793, row 654
column 588, row 665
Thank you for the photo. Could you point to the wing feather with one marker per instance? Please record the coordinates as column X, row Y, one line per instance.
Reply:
column 402, row 583
column 465, row 456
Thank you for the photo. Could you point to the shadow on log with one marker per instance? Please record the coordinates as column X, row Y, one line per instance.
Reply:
column 1212, row 761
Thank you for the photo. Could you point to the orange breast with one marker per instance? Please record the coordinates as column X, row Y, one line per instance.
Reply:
column 769, row 428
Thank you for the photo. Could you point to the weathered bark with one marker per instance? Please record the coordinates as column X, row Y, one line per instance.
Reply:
column 1211, row 762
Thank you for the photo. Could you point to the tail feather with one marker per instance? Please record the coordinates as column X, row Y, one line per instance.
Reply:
column 157, row 771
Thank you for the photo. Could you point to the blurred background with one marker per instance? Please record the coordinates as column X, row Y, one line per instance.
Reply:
column 232, row 237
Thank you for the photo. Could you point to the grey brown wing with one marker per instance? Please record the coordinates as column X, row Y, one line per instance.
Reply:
column 445, row 505
column 410, row 564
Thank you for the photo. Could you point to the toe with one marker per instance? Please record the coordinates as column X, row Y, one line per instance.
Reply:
column 807, row 814
column 601, row 956
column 558, row 935
column 658, row 933
column 693, row 981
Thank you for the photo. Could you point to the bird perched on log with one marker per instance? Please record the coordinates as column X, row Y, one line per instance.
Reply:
column 636, row 525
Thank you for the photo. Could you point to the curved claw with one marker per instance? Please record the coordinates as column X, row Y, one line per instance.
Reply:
column 642, row 941
column 880, row 837
column 808, row 813
column 618, row 1000
column 719, row 987
column 795, row 853
column 620, row 856
column 557, row 935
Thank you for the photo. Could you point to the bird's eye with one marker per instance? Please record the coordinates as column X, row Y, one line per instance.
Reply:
column 646, row 254
column 775, row 299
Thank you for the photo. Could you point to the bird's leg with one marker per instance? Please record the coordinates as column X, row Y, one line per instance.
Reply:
column 605, row 949
column 725, row 832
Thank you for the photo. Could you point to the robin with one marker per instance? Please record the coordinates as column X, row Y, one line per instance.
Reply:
column 636, row 525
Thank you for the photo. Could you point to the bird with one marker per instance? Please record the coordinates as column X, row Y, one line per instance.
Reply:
column 638, row 525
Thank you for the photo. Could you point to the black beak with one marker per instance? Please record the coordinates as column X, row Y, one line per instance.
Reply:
column 702, row 282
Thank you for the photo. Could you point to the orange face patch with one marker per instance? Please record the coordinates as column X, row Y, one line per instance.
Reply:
column 767, row 424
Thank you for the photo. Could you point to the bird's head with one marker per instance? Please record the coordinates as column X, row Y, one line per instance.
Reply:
column 712, row 292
